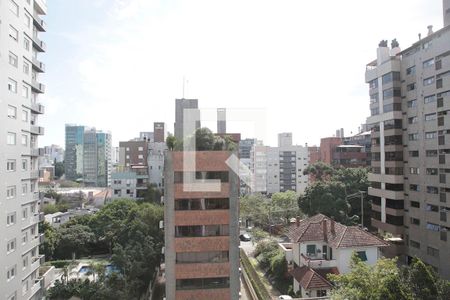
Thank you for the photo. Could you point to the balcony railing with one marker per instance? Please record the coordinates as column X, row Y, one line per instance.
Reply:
column 37, row 86
column 37, row 108
column 317, row 262
column 39, row 23
column 41, row 6
column 38, row 65
column 37, row 130
column 38, row 44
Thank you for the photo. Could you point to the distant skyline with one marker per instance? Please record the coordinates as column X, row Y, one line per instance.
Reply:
column 118, row 65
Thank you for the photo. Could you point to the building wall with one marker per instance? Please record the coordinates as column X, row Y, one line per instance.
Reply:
column 133, row 153
column 180, row 106
column 20, row 111
column 159, row 131
column 155, row 160
column 73, row 163
column 327, row 147
column 343, row 256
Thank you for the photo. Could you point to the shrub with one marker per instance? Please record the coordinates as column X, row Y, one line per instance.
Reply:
column 256, row 282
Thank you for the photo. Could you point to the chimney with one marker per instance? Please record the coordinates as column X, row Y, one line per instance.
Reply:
column 430, row 29
column 333, row 231
column 325, row 231
column 297, row 221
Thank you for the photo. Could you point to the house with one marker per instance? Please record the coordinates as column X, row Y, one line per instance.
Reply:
column 321, row 246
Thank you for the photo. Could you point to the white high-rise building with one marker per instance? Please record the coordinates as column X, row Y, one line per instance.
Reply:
column 20, row 88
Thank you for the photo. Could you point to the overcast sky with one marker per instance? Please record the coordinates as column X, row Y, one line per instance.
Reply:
column 118, row 65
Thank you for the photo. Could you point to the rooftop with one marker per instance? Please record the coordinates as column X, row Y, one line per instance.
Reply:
column 310, row 278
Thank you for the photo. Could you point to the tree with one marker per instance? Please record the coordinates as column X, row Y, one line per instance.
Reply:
column 171, row 142
column 328, row 198
column 422, row 280
column 50, row 240
column 319, row 170
column 377, row 282
column 284, row 205
column 255, row 208
column 59, row 168
column 152, row 194
column 73, row 240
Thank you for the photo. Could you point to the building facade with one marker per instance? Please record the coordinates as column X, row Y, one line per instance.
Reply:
column 410, row 104
column 20, row 90
column 201, row 229
column 180, row 106
column 73, row 157
column 159, row 132
column 97, row 165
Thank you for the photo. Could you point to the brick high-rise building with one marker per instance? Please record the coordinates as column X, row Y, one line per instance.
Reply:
column 159, row 132
column 201, row 229
column 410, row 119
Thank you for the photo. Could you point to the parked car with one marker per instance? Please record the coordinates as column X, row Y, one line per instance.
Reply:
column 245, row 237
column 284, row 297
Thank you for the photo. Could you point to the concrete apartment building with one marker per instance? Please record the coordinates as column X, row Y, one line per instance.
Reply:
column 279, row 169
column 221, row 120
column 201, row 228
column 410, row 104
column 133, row 153
column 73, row 156
column 20, row 89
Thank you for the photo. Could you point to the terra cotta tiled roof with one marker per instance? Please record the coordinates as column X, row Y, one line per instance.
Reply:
column 310, row 278
column 319, row 228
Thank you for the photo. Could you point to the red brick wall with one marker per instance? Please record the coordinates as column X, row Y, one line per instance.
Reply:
column 198, row 244
column 327, row 146
column 205, row 161
column 183, row 271
column 202, row 217
column 214, row 294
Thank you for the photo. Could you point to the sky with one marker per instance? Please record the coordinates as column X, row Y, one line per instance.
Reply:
column 118, row 65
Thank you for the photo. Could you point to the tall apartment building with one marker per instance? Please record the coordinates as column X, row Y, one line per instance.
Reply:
column 201, row 229
column 180, row 106
column 97, row 165
column 20, row 89
column 221, row 120
column 133, row 153
column 279, row 169
column 73, row 157
column 159, row 132
column 410, row 104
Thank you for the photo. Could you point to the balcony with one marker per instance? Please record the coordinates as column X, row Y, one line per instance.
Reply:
column 38, row 130
column 317, row 262
column 38, row 44
column 394, row 229
column 36, row 152
column 37, row 86
column 39, row 23
column 37, row 108
column 36, row 262
column 40, row 6
column 36, row 287
column 38, row 65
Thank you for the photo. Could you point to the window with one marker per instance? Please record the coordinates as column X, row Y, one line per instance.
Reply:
column 432, row 171
column 414, row 187
column 11, row 138
column 432, row 251
column 432, row 190
column 25, row 91
column 202, row 257
column 24, row 116
column 412, row 103
column 428, row 81
column 415, row 204
column 321, row 293
column 433, row 227
column 25, row 213
column 411, row 70
column 429, row 99
column 414, row 153
column 140, row 156
column 24, row 165
column 27, row 20
column 13, row 7
column 414, row 244
column 412, row 120
column 202, row 283
column 374, row 111
column 392, row 92
column 389, row 77
column 26, row 67
column 12, row 112
column 430, row 135
column 431, row 153
column 430, row 117
column 13, row 59
column 432, row 208
column 24, row 188
column 374, row 98
column 414, row 171
column 13, row 33
column 11, row 192
column 24, row 140
column 11, row 273
column 413, row 136
column 427, row 45
column 26, row 43
column 11, row 165
column 414, row 221
column 373, row 84
column 11, row 219
column 411, row 87
column 140, row 148
column 24, row 260
column 25, row 287
column 12, row 85
column 362, row 255
column 428, row 63
column 11, row 246
column 310, row 250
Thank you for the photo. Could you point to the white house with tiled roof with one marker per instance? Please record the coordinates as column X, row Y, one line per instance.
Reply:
column 321, row 246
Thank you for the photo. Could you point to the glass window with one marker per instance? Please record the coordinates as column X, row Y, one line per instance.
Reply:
column 12, row 112
column 27, row 20
column 430, row 135
column 13, row 7
column 24, row 116
column 25, row 91
column 12, row 85
column 392, row 92
column 413, row 136
column 11, row 165
column 411, row 87
column 26, row 67
column 11, row 138
column 11, row 273
column 13, row 59
column 428, row 81
column 429, row 99
column 411, row 70
column 11, row 246
column 24, row 140
column 428, row 63
column 311, row 250
column 26, row 43
column 362, row 255
column 412, row 120
column 412, row 103
column 430, row 117
column 390, row 77
column 13, row 33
